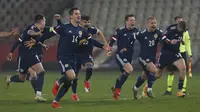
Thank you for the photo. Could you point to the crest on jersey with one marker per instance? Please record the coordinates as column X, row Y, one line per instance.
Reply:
column 80, row 33
column 66, row 65
column 21, row 70
column 155, row 35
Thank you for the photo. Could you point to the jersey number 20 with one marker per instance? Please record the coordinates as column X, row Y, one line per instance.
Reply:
column 151, row 43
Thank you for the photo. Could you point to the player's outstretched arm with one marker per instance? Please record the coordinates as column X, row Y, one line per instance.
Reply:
column 100, row 33
column 14, row 32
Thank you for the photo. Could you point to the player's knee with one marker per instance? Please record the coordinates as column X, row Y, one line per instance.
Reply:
column 129, row 69
column 71, row 76
column 144, row 77
column 182, row 69
column 171, row 73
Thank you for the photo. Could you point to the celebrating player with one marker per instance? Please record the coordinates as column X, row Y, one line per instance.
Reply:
column 125, row 37
column 28, row 58
column 148, row 41
column 184, row 47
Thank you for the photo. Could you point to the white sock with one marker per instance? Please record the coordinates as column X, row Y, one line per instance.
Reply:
column 135, row 88
column 38, row 93
column 55, row 101
column 149, row 89
column 57, row 83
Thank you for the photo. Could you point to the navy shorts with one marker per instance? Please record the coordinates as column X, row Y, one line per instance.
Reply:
column 173, row 68
column 144, row 61
column 25, row 62
column 168, row 58
column 82, row 60
column 67, row 63
column 121, row 60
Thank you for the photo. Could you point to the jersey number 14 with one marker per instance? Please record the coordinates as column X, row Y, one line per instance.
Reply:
column 75, row 39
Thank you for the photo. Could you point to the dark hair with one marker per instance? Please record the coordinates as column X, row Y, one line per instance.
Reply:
column 39, row 17
column 85, row 17
column 127, row 16
column 177, row 17
column 71, row 11
column 151, row 17
column 183, row 25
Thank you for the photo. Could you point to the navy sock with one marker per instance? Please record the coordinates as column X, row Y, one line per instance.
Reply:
column 88, row 73
column 28, row 76
column 139, row 82
column 121, row 80
column 33, row 83
column 180, row 84
column 74, row 85
column 40, row 81
column 151, row 79
column 62, row 79
column 63, row 90
column 15, row 78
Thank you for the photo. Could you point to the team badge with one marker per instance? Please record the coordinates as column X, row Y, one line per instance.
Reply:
column 66, row 65
column 155, row 35
column 147, row 60
column 80, row 33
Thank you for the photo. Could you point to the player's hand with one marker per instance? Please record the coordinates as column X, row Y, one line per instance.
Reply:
column 45, row 47
column 174, row 41
column 57, row 16
column 82, row 41
column 15, row 31
column 123, row 50
column 30, row 43
column 9, row 57
column 107, row 47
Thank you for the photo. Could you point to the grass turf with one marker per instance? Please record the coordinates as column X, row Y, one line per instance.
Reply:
column 20, row 97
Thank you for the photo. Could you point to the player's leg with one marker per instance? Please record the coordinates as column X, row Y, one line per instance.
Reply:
column 140, row 80
column 37, row 66
column 23, row 68
column 63, row 90
column 180, row 64
column 33, row 78
column 70, row 74
column 184, row 55
column 89, row 68
column 127, row 69
column 170, row 79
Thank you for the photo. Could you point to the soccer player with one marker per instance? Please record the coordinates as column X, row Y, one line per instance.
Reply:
column 28, row 57
column 84, row 53
column 170, row 54
column 184, row 47
column 125, row 37
column 70, row 36
column 84, row 56
column 86, row 50
column 148, row 40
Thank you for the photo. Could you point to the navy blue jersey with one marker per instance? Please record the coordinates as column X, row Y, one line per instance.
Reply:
column 70, row 37
column 47, row 33
column 23, row 50
column 87, row 47
column 148, row 42
column 170, row 34
column 125, row 39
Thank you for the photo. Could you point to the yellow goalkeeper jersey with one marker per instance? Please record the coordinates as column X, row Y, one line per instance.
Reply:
column 186, row 45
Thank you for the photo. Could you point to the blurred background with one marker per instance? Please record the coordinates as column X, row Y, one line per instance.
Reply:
column 106, row 15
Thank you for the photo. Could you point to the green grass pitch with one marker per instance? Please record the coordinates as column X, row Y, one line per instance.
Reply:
column 20, row 97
